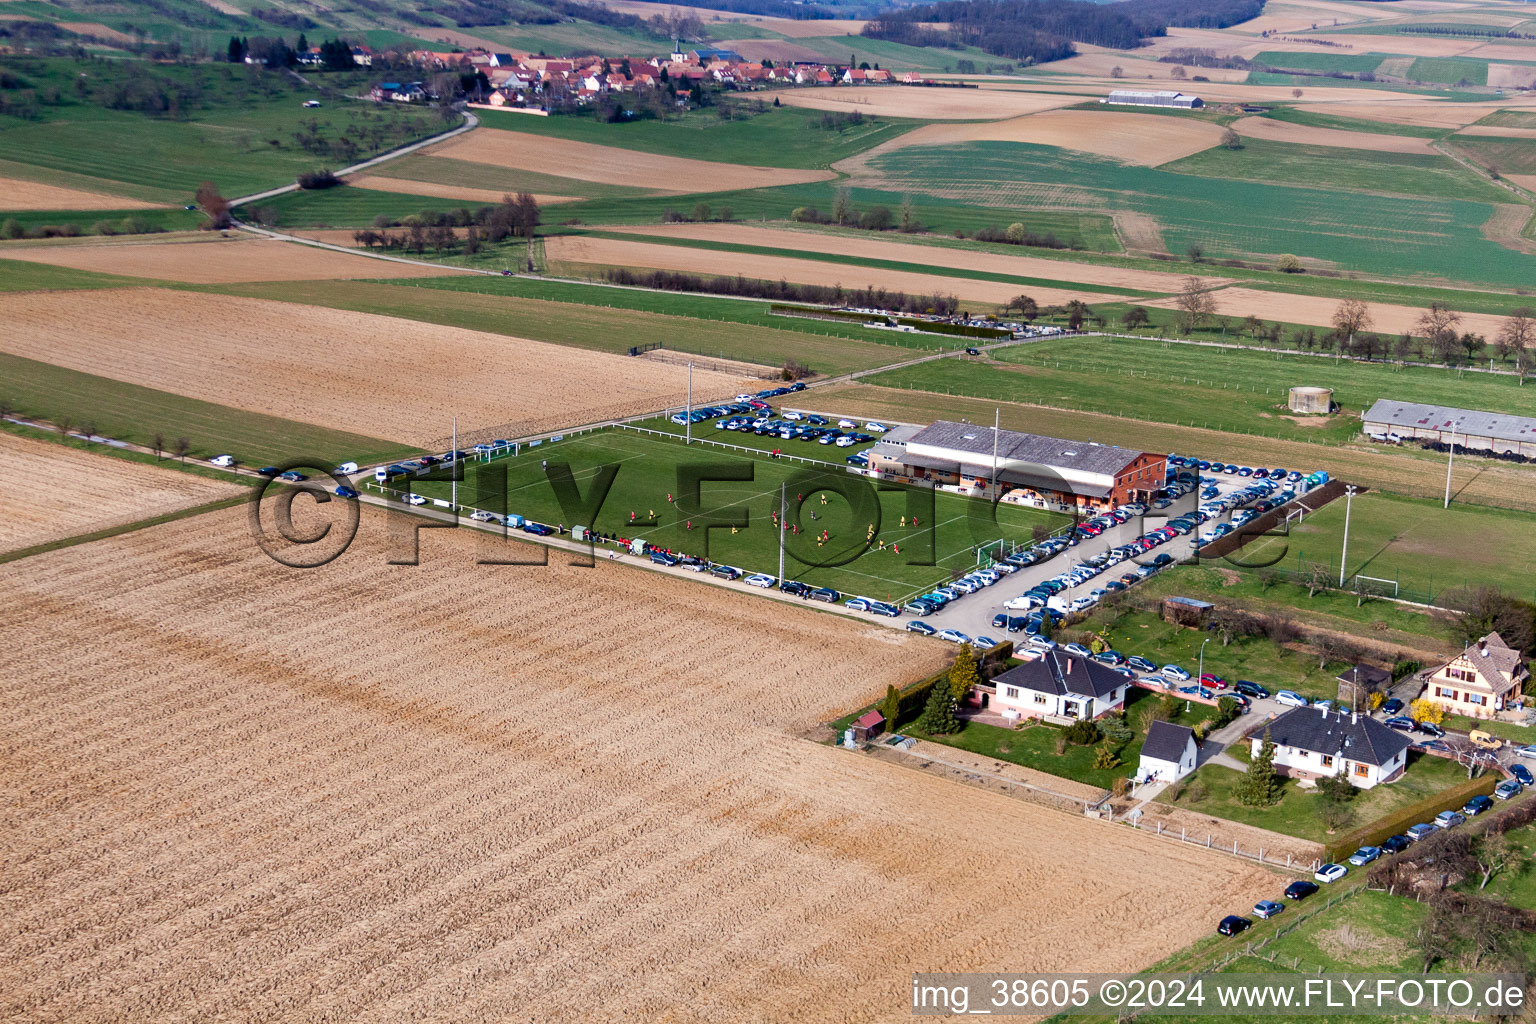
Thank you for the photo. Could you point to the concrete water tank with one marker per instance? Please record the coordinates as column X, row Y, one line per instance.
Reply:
column 1312, row 400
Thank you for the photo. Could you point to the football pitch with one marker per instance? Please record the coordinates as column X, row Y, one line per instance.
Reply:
column 846, row 531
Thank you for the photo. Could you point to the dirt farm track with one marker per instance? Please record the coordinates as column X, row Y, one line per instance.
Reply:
column 254, row 797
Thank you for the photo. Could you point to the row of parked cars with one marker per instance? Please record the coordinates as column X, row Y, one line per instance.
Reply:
column 1329, row 873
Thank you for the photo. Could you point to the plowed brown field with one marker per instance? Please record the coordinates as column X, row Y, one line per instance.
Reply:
column 928, row 104
column 374, row 375
column 1307, row 135
column 1312, row 309
column 217, row 261
column 16, row 194
column 610, row 165
column 366, row 792
column 938, row 256
column 618, row 252
column 52, row 492
column 411, row 187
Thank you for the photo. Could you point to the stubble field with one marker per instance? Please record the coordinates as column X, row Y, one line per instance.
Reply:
column 256, row 796
column 1307, row 135
column 16, row 194
column 200, row 259
column 374, row 375
column 52, row 492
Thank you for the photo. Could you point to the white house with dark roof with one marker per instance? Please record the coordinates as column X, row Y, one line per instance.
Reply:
column 1481, row 680
column 1313, row 742
column 1060, row 685
column 1169, row 754
column 1025, row 468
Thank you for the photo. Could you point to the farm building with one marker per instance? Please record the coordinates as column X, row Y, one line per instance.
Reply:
column 1027, row 469
column 1169, row 753
column 1468, row 428
column 1059, row 685
column 1312, row 742
column 1481, row 680
column 1153, row 98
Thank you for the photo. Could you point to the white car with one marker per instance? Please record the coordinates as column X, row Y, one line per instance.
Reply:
column 1291, row 699
column 1024, row 603
column 954, row 636
column 847, row 424
column 745, row 398
column 760, row 580
column 878, row 428
column 415, row 499
column 793, row 415
column 480, row 515
column 1331, row 873
column 225, row 461
column 1175, row 672
column 1082, row 604
column 844, row 442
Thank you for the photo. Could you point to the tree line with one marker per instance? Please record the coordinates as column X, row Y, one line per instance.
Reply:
column 818, row 294
column 1037, row 31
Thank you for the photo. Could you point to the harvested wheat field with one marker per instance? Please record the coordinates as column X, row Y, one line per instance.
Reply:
column 411, row 187
column 1314, row 309
column 1512, row 76
column 202, row 259
column 17, row 194
column 617, row 252
column 1427, row 113
column 610, row 165
column 1306, row 135
column 249, row 800
column 939, row 257
column 1498, row 132
column 373, row 375
column 928, row 104
column 53, row 491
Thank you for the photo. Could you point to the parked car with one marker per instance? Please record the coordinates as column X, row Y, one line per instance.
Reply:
column 890, row 611
column 1291, row 699
column 760, row 580
column 540, row 530
column 1078, row 649
column 661, row 558
column 269, row 471
column 1232, row 925
column 1330, row 873
column 1529, row 750
column 1140, row 664
column 1449, row 819
column 1175, row 672
column 414, row 499
column 1363, row 856
column 1394, row 844
column 725, row 572
column 1423, row 830
column 1392, row 707
column 1267, row 909
column 1477, row 805
column 224, row 461
column 954, row 636
column 919, row 626
column 346, row 492
column 824, row 594
column 1300, row 889
column 1508, row 789
column 1430, row 729
column 1402, row 723
column 479, row 515
column 1523, row 774
column 1250, row 689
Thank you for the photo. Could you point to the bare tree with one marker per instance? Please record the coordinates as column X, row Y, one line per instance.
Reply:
column 183, row 446
column 214, row 206
column 1230, row 139
column 158, row 444
column 1195, row 303
column 1517, row 337
column 1438, row 323
column 1494, row 851
column 64, row 423
column 7, row 408
column 1351, row 318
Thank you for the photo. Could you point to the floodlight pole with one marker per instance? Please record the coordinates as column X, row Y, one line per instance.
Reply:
column 688, row 416
column 1200, row 672
column 997, row 421
column 1448, row 464
column 1349, row 494
column 783, row 519
column 455, row 475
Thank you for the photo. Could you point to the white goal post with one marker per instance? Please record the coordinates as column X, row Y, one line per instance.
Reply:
column 1374, row 584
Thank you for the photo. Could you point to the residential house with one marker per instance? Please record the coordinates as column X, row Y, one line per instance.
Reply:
column 362, row 55
column 1483, row 679
column 398, row 92
column 1313, row 742
column 854, row 76
column 1060, row 685
column 1169, row 754
column 879, row 76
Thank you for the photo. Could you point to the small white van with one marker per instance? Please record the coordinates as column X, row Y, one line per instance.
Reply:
column 346, row 469
column 224, row 461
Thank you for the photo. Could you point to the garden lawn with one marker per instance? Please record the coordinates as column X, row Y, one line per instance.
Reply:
column 1296, row 813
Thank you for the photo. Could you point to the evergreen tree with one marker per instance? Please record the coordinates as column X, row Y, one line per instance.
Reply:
column 303, row 44
column 938, row 715
column 236, row 50
column 963, row 674
column 890, row 707
column 1261, row 787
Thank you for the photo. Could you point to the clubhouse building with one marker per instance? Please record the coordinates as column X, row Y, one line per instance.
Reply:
column 1025, row 469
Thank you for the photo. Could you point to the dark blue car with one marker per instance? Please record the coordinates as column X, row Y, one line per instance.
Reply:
column 345, row 492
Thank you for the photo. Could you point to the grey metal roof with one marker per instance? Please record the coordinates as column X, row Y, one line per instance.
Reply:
column 1042, row 482
column 900, row 434
column 1358, row 738
column 927, row 462
column 1061, row 673
column 1012, row 445
column 1448, row 418
column 1167, row 742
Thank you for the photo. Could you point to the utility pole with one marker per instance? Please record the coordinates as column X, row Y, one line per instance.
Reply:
column 688, row 417
column 997, row 420
column 1349, row 495
column 783, row 518
column 1200, row 673
column 456, row 469
column 1448, row 464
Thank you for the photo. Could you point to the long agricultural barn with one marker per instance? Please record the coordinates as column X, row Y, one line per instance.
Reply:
column 1046, row 472
column 1469, row 428
column 1153, row 98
